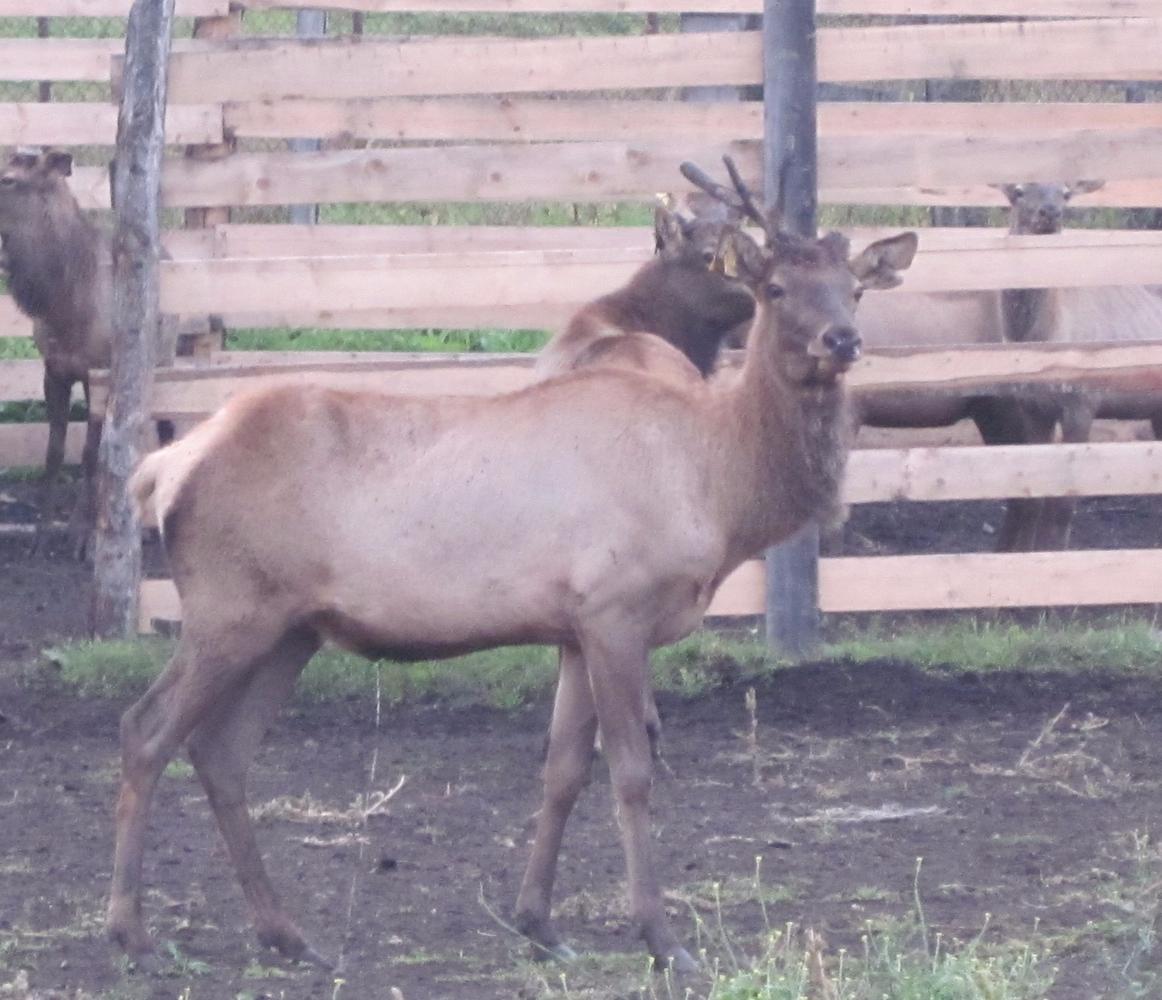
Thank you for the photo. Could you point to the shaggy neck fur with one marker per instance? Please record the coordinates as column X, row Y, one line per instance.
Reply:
column 49, row 259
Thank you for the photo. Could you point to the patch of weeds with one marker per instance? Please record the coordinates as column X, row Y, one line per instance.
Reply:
column 178, row 768
column 109, row 667
column 982, row 645
column 183, row 964
column 256, row 970
column 413, row 341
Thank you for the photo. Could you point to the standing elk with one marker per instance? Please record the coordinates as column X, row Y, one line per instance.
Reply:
column 60, row 274
column 598, row 511
column 681, row 297
column 1070, row 315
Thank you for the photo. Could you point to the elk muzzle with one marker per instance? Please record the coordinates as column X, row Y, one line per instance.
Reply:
column 838, row 344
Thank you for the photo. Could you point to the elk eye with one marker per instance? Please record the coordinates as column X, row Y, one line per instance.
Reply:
column 775, row 291
column 7, row 181
column 707, row 257
column 859, row 294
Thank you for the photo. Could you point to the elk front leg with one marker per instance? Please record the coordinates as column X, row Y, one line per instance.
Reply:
column 617, row 661
column 1056, row 521
column 568, row 761
column 84, row 517
column 58, row 390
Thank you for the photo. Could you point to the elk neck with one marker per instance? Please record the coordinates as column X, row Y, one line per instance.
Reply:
column 783, row 446
column 51, row 258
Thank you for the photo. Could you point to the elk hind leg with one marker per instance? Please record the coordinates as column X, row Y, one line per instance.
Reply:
column 568, row 762
column 1056, row 519
column 222, row 748
column 206, row 666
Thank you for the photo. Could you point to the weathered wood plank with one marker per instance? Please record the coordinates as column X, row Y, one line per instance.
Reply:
column 983, row 473
column 94, row 124
column 102, row 8
column 944, row 8
column 612, row 171
column 531, row 119
column 330, row 69
column 992, row 580
column 24, row 445
column 21, row 380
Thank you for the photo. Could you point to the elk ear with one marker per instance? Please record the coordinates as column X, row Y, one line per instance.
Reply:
column 57, row 161
column 743, row 258
column 878, row 265
column 1083, row 187
column 1011, row 191
column 667, row 229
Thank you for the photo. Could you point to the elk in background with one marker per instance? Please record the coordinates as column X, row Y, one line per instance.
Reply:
column 598, row 511
column 680, row 297
column 1069, row 315
column 60, row 274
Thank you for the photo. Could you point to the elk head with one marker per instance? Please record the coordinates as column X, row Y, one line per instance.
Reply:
column 806, row 288
column 31, row 180
column 1039, row 209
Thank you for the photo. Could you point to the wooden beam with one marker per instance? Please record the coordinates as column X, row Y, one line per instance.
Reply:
column 616, row 171
column 1097, row 49
column 996, row 473
column 941, row 8
column 533, row 119
column 21, row 380
column 992, row 580
column 102, row 8
column 24, row 445
column 94, row 124
column 197, row 391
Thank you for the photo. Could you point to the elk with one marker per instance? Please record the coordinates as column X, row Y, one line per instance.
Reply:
column 680, row 296
column 1069, row 315
column 597, row 511
column 60, row 273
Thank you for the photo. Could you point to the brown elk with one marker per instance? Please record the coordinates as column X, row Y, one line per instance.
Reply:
column 60, row 272
column 597, row 511
column 680, row 296
column 1069, row 315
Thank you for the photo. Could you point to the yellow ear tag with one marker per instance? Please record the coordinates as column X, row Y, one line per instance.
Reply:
column 725, row 261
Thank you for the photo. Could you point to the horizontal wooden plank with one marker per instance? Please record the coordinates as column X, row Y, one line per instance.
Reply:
column 345, row 68
column 13, row 323
column 532, row 119
column 21, row 380
column 94, row 124
column 903, row 583
column 612, row 171
column 64, row 59
column 23, row 445
column 945, row 8
column 196, row 391
column 1145, row 193
column 992, row 580
column 1102, row 49
column 981, row 473
column 104, row 8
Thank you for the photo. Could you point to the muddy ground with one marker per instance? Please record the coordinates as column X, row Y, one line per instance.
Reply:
column 1030, row 798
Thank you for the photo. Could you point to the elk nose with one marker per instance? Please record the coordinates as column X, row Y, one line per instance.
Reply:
column 843, row 342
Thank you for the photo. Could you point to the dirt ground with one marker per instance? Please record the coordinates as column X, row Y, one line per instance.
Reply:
column 1029, row 797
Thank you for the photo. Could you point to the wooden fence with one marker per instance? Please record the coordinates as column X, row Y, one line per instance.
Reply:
column 591, row 119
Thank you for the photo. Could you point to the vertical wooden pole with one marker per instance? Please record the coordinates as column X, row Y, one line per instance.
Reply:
column 789, row 177
column 136, row 250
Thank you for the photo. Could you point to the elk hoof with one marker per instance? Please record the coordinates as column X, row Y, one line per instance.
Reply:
column 286, row 939
column 131, row 937
column 680, row 963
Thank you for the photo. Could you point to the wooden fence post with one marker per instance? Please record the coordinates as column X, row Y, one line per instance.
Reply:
column 789, row 175
column 136, row 250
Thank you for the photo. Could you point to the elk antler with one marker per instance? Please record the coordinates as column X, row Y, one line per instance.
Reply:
column 769, row 221
column 740, row 198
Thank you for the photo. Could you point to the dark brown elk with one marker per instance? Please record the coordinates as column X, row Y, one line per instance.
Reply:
column 680, row 296
column 1069, row 315
column 59, row 265
column 598, row 511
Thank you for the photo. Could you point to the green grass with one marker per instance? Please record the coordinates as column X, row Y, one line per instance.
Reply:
column 980, row 644
column 514, row 676
column 311, row 339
